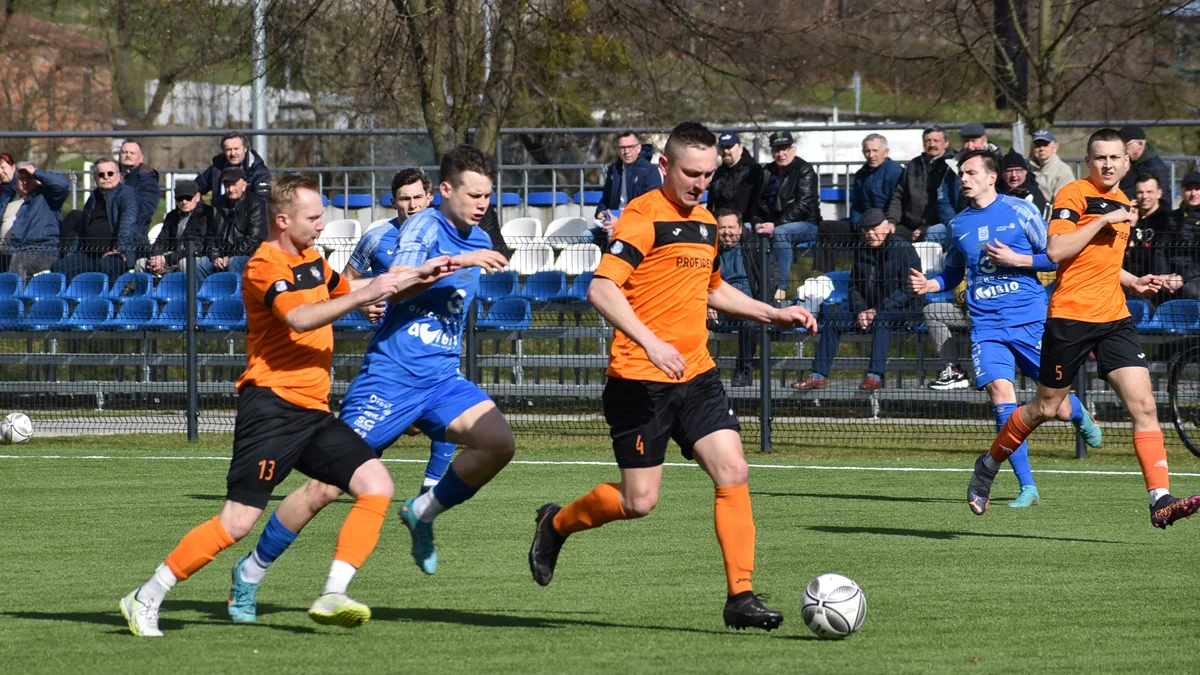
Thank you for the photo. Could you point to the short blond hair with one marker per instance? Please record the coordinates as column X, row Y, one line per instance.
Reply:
column 283, row 193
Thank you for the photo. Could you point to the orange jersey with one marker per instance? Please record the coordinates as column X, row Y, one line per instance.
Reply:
column 293, row 365
column 1089, row 285
column 664, row 258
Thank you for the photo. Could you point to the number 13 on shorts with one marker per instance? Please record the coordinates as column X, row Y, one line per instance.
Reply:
column 266, row 469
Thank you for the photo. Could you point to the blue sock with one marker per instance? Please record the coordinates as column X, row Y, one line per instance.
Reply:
column 1076, row 410
column 451, row 491
column 1019, row 460
column 440, row 454
column 875, row 376
column 817, row 376
column 274, row 541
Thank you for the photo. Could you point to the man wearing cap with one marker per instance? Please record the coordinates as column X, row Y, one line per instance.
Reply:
column 238, row 226
column 107, row 237
column 1143, row 159
column 875, row 182
column 1019, row 183
column 913, row 206
column 1050, row 171
column 626, row 179
column 789, row 206
column 188, row 220
column 738, row 181
column 35, row 231
column 1184, row 280
column 880, row 300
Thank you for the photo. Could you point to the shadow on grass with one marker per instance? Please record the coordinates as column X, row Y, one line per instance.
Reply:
column 214, row 615
column 870, row 498
column 500, row 619
column 221, row 498
column 944, row 534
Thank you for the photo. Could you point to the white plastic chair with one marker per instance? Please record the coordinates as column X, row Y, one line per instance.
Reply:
column 814, row 292
column 378, row 223
column 565, row 232
column 152, row 235
column 521, row 232
column 532, row 258
column 339, row 239
column 933, row 258
column 578, row 258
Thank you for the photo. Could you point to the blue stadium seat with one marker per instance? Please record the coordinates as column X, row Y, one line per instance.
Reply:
column 588, row 197
column 12, row 313
column 173, row 315
column 1140, row 312
column 324, row 200
column 171, row 287
column 578, row 290
column 542, row 286
column 46, row 314
column 940, row 296
column 86, row 285
column 357, row 200
column 226, row 313
column 354, row 321
column 834, row 194
column 219, row 285
column 140, row 284
column 44, row 286
column 1179, row 316
column 90, row 314
column 508, row 314
column 437, row 199
column 508, row 198
column 548, row 198
column 135, row 314
column 841, row 287
column 386, row 200
column 10, row 285
column 493, row 287
column 704, row 197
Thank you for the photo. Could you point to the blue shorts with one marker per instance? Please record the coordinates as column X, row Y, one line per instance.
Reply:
column 996, row 352
column 380, row 410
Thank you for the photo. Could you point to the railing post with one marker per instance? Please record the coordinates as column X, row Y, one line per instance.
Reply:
column 499, row 180
column 193, row 394
column 1081, row 391
column 764, row 380
column 471, row 343
column 1018, row 136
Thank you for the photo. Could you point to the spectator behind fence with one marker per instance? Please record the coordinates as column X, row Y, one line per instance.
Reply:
column 630, row 177
column 880, row 300
column 738, row 181
column 1184, row 259
column 742, row 269
column 789, row 206
column 239, row 225
column 34, row 236
column 236, row 152
column 1050, row 171
column 107, row 238
column 1149, row 238
column 1144, row 160
column 190, row 219
column 913, row 206
column 1020, row 183
column 974, row 137
column 142, row 179
column 411, row 193
column 8, row 193
column 875, row 182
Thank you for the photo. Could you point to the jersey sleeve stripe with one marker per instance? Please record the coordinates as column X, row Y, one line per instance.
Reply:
column 623, row 250
column 281, row 286
column 334, row 280
column 1066, row 214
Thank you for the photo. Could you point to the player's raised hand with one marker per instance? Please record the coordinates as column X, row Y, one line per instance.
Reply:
column 436, row 269
column 917, row 283
column 1003, row 256
column 374, row 312
column 795, row 316
column 383, row 286
column 488, row 260
column 666, row 358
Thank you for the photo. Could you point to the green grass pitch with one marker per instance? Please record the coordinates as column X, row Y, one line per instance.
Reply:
column 1081, row 583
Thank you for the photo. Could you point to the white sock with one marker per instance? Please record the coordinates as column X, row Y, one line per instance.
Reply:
column 429, row 483
column 427, row 507
column 1157, row 494
column 253, row 569
column 340, row 575
column 153, row 591
column 990, row 463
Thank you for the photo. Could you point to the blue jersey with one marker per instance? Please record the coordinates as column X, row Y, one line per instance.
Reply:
column 1006, row 296
column 373, row 255
column 420, row 342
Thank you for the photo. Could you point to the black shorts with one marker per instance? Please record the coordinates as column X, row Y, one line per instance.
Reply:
column 1066, row 344
column 642, row 416
column 271, row 437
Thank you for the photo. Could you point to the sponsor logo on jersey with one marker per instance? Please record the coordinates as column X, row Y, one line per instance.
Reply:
column 983, row 233
column 703, row 232
column 1064, row 214
column 616, row 248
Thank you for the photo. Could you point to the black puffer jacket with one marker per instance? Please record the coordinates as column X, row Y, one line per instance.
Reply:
column 737, row 187
column 258, row 177
column 1184, row 256
column 879, row 276
column 798, row 197
column 236, row 228
column 914, row 203
column 172, row 244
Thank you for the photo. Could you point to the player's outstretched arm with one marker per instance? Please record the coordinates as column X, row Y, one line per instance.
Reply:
column 726, row 298
column 607, row 298
column 317, row 314
column 1069, row 244
column 415, row 280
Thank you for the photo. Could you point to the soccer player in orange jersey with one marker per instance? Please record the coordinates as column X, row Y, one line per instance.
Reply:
column 1089, row 230
column 283, row 419
column 654, row 285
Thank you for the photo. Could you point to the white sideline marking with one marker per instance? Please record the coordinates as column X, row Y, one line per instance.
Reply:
column 541, row 462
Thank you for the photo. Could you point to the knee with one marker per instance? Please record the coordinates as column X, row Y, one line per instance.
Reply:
column 1143, row 409
column 238, row 519
column 732, row 473
column 322, row 496
column 372, row 478
column 502, row 446
column 640, row 505
column 1044, row 410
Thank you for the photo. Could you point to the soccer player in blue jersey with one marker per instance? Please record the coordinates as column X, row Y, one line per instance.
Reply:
column 410, row 376
column 999, row 242
column 411, row 193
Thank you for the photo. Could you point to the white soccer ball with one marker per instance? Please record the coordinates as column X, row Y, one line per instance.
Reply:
column 833, row 606
column 16, row 428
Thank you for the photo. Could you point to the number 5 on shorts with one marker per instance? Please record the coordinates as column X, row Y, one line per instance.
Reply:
column 266, row 469
column 1058, row 374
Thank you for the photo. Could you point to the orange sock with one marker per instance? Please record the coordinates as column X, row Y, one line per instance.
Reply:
column 198, row 548
column 1011, row 436
column 601, row 505
column 1152, row 455
column 360, row 532
column 735, row 533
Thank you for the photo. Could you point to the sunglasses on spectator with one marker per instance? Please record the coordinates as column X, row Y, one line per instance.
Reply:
column 629, row 147
column 105, row 174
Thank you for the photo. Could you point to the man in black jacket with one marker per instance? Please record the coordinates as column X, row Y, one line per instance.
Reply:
column 789, row 205
column 235, row 151
column 1144, row 160
column 1018, row 181
column 1149, row 238
column 189, row 220
column 238, row 226
column 1184, row 260
column 143, row 180
column 737, row 183
column 105, row 237
column 741, row 268
column 913, row 207
column 880, row 300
